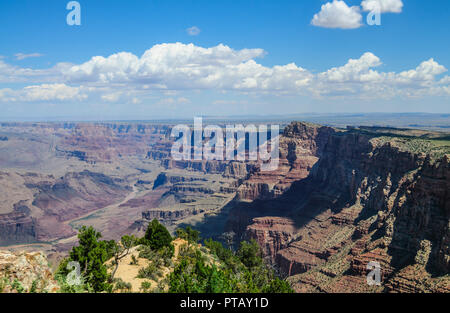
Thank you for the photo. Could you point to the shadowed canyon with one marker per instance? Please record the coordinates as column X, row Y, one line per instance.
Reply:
column 339, row 199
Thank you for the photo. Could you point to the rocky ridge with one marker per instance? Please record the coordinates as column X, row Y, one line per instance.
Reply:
column 365, row 200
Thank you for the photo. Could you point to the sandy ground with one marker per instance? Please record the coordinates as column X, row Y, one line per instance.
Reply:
column 128, row 273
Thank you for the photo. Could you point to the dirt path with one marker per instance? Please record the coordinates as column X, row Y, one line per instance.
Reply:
column 128, row 272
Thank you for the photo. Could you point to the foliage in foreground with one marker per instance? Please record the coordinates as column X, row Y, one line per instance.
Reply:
column 90, row 256
column 157, row 236
column 200, row 269
column 243, row 271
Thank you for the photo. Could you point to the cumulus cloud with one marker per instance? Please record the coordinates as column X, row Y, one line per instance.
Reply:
column 338, row 14
column 382, row 6
column 171, row 69
column 172, row 66
column 16, row 74
column 193, row 31
column 358, row 77
column 23, row 56
column 43, row 92
column 354, row 70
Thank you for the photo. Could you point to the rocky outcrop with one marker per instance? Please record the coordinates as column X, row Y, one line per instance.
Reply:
column 338, row 200
column 17, row 227
column 169, row 215
column 365, row 200
column 107, row 142
column 272, row 234
column 25, row 272
column 165, row 178
column 237, row 169
column 301, row 146
column 166, row 216
column 415, row 279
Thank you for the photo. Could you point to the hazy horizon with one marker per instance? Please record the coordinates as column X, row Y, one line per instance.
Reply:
column 417, row 120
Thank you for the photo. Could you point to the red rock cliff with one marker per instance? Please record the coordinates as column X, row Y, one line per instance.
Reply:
column 364, row 200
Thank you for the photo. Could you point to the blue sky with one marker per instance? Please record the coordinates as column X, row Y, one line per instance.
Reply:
column 236, row 64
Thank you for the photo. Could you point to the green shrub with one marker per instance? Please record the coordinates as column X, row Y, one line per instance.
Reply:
column 189, row 234
column 17, row 286
column 167, row 251
column 134, row 261
column 34, row 286
column 150, row 272
column 145, row 286
column 91, row 254
column 157, row 236
column 278, row 286
column 146, row 252
column 250, row 254
column 120, row 285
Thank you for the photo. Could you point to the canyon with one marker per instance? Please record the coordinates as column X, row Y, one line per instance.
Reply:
column 339, row 199
column 368, row 198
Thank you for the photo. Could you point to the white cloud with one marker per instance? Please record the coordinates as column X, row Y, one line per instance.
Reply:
column 359, row 78
column 171, row 66
column 22, row 56
column 193, row 31
column 111, row 97
column 168, row 70
column 15, row 74
column 384, row 6
column 44, row 92
column 338, row 14
column 426, row 71
column 354, row 70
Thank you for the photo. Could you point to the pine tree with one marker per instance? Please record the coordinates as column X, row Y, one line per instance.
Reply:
column 157, row 236
column 91, row 254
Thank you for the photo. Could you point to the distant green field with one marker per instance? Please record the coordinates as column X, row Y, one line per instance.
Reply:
column 436, row 148
column 436, row 144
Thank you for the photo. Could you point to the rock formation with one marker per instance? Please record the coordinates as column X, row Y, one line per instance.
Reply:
column 25, row 272
column 365, row 200
column 339, row 199
column 301, row 146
